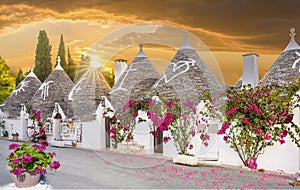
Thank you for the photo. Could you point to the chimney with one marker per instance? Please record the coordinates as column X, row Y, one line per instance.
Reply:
column 120, row 66
column 250, row 73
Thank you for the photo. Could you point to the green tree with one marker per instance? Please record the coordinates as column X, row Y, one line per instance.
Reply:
column 43, row 66
column 19, row 77
column 62, row 53
column 7, row 81
column 109, row 77
column 71, row 71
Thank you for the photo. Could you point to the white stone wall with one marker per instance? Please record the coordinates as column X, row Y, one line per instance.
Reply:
column 16, row 126
column 93, row 135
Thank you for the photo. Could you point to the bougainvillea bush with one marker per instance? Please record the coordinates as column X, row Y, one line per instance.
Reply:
column 258, row 117
column 36, row 129
column 31, row 158
column 123, row 122
column 180, row 117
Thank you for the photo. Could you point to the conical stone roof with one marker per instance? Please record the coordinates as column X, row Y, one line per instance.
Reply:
column 135, row 82
column 21, row 95
column 86, row 94
column 55, row 89
column 187, row 77
column 286, row 67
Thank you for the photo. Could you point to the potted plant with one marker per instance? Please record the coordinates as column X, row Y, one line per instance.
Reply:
column 28, row 163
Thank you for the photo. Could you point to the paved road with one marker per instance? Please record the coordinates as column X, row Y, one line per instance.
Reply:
column 84, row 169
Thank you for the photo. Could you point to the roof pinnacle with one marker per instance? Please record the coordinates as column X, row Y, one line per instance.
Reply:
column 186, row 44
column 141, row 52
column 293, row 44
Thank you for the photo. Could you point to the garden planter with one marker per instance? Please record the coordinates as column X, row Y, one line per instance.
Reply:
column 185, row 160
column 26, row 179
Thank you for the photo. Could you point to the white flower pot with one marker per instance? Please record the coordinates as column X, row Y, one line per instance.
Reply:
column 185, row 160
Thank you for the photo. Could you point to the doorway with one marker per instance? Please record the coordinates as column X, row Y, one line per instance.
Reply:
column 158, row 143
column 107, row 136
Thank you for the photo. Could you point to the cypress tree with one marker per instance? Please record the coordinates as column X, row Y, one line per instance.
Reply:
column 19, row 77
column 62, row 53
column 43, row 66
column 71, row 71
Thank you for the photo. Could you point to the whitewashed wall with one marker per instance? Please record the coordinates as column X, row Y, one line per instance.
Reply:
column 142, row 134
column 93, row 134
column 16, row 126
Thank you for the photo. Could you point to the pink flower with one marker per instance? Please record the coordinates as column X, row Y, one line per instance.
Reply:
column 150, row 103
column 112, row 131
column 258, row 131
column 154, row 133
column 289, row 118
column 17, row 171
column 130, row 103
column 126, row 128
column 13, row 146
column 223, row 129
column 15, row 161
column 252, row 163
column 245, row 110
column 163, row 127
column 193, row 132
column 281, row 141
column 38, row 116
column 267, row 136
column 259, row 111
column 245, row 121
column 283, row 133
column 151, row 114
column 225, row 138
column 44, row 143
column 253, row 107
column 26, row 159
column 41, row 148
column 54, row 165
column 135, row 114
column 40, row 170
column 52, row 154
column 232, row 110
column 205, row 137
column 170, row 104
column 168, row 118
column 166, row 139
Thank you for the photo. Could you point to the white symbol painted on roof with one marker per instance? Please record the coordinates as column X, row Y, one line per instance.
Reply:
column 45, row 89
column 21, row 88
column 185, row 65
column 76, row 88
column 297, row 60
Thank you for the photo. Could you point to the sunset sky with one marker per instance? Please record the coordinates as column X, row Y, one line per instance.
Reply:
column 229, row 28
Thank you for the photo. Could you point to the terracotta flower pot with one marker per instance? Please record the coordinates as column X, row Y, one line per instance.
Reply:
column 26, row 179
